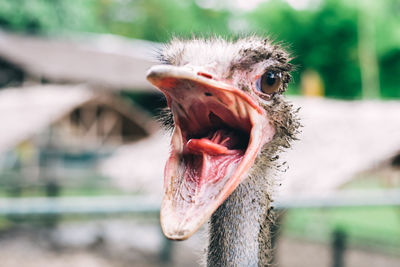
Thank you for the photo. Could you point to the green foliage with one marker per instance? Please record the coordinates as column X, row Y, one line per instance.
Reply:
column 390, row 73
column 47, row 15
column 323, row 38
column 376, row 227
column 157, row 20
column 388, row 46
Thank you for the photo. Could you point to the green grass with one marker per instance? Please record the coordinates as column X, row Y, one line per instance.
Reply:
column 83, row 183
column 376, row 228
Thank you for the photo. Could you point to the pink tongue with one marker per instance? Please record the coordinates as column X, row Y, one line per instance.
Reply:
column 203, row 145
column 218, row 143
column 211, row 159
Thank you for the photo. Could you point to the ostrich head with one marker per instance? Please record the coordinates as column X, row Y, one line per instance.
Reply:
column 229, row 119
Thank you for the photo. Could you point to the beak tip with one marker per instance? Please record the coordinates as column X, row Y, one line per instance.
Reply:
column 176, row 227
column 176, row 233
column 156, row 74
column 151, row 75
column 180, row 236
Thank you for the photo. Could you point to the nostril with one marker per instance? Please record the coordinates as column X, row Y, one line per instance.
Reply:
column 209, row 76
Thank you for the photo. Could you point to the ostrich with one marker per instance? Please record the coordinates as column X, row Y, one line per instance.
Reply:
column 230, row 121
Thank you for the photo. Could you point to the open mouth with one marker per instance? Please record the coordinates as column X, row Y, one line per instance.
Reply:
column 219, row 131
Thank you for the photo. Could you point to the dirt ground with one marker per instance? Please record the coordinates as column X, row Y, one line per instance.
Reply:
column 96, row 244
column 123, row 244
column 299, row 253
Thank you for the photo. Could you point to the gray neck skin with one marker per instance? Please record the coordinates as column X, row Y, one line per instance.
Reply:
column 238, row 230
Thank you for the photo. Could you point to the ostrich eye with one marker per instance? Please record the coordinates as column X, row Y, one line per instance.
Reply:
column 269, row 82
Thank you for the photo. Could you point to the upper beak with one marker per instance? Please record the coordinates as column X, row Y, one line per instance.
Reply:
column 165, row 76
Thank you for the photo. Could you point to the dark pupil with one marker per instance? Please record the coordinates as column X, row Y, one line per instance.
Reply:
column 270, row 78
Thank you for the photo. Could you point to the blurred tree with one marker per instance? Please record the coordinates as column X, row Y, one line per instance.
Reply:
column 156, row 20
column 388, row 46
column 40, row 16
column 323, row 37
column 367, row 49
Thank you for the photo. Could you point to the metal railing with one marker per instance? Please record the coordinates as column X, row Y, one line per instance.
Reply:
column 151, row 205
column 139, row 205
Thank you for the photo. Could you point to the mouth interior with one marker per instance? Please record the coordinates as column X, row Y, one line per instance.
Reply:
column 215, row 137
column 219, row 131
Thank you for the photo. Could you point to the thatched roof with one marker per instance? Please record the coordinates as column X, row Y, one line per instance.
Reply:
column 26, row 111
column 103, row 60
column 139, row 167
column 339, row 139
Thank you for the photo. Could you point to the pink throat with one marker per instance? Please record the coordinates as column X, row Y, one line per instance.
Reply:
column 211, row 159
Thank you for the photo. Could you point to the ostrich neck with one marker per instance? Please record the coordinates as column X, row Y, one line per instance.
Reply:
column 238, row 229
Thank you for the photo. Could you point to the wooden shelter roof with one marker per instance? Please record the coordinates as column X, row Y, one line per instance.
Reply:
column 26, row 111
column 339, row 139
column 102, row 60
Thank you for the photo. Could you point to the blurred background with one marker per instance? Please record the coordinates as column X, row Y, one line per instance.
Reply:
column 82, row 153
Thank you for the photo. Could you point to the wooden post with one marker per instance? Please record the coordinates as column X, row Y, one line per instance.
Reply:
column 275, row 232
column 166, row 251
column 338, row 248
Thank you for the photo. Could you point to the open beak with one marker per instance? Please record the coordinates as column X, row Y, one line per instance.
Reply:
column 219, row 131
